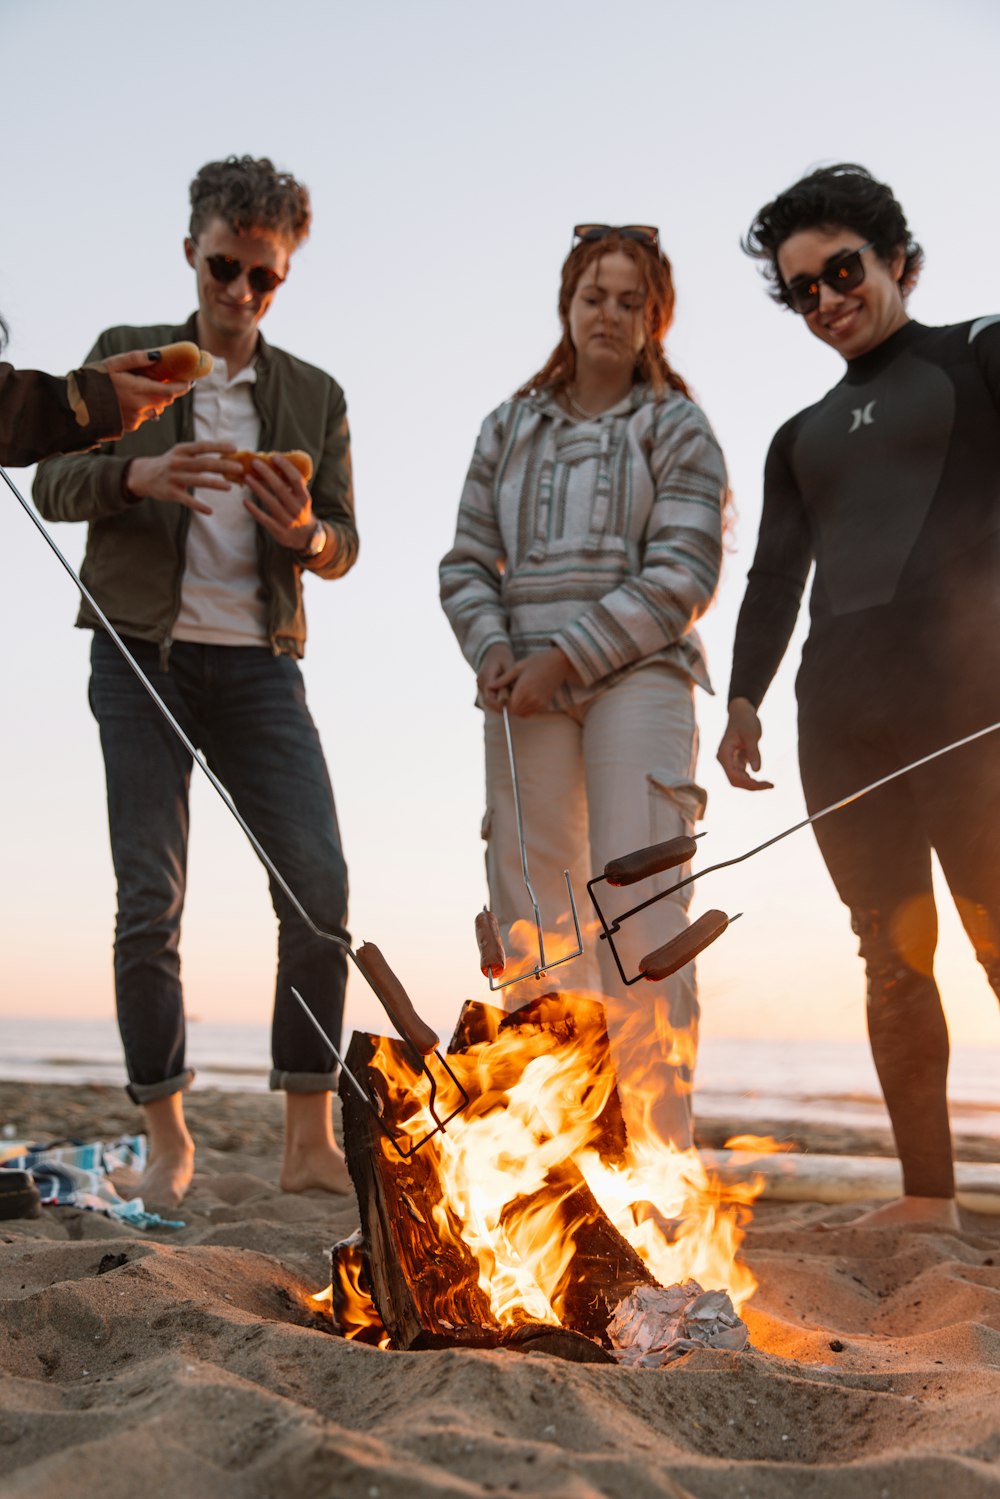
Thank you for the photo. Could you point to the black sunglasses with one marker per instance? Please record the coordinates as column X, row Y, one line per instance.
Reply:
column 260, row 278
column 645, row 234
column 842, row 274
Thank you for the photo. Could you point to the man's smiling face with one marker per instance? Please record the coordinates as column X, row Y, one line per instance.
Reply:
column 851, row 321
column 233, row 308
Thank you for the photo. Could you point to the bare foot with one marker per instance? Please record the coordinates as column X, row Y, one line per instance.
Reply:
column 166, row 1179
column 312, row 1156
column 323, row 1167
column 171, row 1154
column 940, row 1210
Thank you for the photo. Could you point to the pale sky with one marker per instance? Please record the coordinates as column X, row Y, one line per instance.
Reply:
column 449, row 147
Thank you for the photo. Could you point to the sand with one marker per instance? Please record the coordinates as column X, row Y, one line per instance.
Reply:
column 191, row 1362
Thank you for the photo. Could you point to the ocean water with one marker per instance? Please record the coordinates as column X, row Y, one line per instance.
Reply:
column 830, row 1082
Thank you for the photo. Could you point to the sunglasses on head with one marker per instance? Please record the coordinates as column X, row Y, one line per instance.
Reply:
column 644, row 234
column 260, row 278
column 842, row 274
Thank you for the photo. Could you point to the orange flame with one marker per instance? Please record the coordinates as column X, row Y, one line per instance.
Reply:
column 355, row 1313
column 543, row 1119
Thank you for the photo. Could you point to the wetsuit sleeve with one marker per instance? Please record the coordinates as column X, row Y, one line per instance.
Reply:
column 774, row 586
column 41, row 414
column 470, row 574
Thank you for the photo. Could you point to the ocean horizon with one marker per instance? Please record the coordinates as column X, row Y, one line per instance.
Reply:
column 738, row 1078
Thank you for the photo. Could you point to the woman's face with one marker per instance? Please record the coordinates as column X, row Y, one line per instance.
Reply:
column 606, row 315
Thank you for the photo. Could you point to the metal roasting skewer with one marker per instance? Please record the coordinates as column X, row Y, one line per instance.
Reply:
column 541, row 967
column 372, row 1105
column 257, row 846
column 609, row 929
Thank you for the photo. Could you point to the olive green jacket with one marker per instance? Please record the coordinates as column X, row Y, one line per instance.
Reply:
column 134, row 562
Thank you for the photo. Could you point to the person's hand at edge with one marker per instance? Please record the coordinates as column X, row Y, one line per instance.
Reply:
column 140, row 398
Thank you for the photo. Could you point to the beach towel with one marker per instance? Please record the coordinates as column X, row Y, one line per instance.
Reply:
column 70, row 1173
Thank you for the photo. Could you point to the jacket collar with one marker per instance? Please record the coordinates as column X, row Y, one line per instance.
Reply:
column 261, row 356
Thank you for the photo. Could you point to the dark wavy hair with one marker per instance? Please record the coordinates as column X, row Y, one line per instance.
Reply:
column 844, row 195
column 247, row 193
column 657, row 283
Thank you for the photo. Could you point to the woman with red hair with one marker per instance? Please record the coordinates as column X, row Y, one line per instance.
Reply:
column 588, row 544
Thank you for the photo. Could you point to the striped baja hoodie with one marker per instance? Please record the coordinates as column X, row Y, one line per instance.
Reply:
column 602, row 537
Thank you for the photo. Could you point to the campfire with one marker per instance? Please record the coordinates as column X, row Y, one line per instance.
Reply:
column 532, row 1219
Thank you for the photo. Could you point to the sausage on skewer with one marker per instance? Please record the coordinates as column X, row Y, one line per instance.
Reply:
column 666, row 960
column 492, row 959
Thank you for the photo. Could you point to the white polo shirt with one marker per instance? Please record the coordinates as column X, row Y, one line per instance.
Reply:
column 222, row 596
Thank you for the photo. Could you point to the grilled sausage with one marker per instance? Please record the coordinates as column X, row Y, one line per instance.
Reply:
column 395, row 1000
column 685, row 946
column 652, row 860
column 492, row 959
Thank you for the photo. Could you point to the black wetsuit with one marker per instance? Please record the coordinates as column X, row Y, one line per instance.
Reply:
column 891, row 485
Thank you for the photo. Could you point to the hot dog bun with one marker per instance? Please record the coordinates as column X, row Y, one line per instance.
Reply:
column 181, row 361
column 296, row 457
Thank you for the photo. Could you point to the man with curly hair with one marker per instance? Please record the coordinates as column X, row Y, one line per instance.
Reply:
column 889, row 486
column 201, row 571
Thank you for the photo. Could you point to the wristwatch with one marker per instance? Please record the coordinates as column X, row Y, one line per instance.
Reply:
column 315, row 544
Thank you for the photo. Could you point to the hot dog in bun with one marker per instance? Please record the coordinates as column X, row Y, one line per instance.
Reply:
column 296, row 457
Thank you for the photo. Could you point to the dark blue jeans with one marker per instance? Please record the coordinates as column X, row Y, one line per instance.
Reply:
column 245, row 709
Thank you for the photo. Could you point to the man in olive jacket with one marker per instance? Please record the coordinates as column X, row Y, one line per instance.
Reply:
column 201, row 572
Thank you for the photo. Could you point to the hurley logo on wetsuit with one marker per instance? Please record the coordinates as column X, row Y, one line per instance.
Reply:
column 862, row 417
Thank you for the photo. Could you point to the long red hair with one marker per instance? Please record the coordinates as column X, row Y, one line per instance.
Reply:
column 657, row 284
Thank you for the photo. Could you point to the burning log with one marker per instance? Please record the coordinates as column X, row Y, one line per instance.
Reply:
column 604, row 1268
column 530, row 1221
column 426, row 1289
column 425, row 1282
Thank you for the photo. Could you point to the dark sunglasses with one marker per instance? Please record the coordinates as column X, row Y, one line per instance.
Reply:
column 260, row 278
column 645, row 234
column 843, row 274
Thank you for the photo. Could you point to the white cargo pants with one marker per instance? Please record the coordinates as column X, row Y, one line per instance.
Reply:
column 596, row 782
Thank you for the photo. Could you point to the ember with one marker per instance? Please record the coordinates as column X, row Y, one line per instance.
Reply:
column 534, row 1215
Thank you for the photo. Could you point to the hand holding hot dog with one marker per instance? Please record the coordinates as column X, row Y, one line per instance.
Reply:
column 740, row 746
column 140, row 398
column 171, row 476
column 283, row 502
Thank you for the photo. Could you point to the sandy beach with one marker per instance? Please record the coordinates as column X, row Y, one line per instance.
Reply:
column 194, row 1360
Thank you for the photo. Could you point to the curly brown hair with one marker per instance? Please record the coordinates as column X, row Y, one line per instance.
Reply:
column 249, row 193
column 657, row 284
column 845, row 195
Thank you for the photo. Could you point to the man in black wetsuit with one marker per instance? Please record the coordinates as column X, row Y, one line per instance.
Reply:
column 891, row 486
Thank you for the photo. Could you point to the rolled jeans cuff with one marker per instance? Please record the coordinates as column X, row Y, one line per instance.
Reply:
column 303, row 1082
column 151, row 1092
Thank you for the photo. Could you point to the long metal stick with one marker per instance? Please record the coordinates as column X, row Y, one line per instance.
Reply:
column 520, row 836
column 541, row 966
column 845, row 801
column 194, row 752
